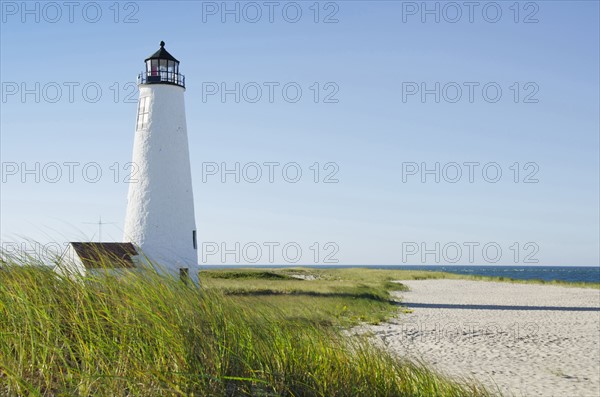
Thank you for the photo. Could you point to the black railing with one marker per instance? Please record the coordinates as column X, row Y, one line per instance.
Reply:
column 161, row 77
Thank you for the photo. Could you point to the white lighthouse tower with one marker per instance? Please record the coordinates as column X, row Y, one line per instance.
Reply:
column 160, row 205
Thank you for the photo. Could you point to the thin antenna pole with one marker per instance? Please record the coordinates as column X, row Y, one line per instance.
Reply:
column 99, row 223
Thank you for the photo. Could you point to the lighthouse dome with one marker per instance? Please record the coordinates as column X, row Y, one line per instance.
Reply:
column 162, row 54
column 162, row 68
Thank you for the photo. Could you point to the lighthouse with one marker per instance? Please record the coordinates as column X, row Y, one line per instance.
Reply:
column 160, row 204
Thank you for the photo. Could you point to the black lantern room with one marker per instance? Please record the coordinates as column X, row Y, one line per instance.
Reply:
column 162, row 68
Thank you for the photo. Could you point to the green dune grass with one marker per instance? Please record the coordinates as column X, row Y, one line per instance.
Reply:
column 339, row 297
column 142, row 334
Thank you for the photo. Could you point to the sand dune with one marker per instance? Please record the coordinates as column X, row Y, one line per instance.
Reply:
column 524, row 339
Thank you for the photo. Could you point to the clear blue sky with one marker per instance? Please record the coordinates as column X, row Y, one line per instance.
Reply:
column 372, row 56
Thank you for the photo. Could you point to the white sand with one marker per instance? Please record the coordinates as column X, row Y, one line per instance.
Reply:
column 524, row 339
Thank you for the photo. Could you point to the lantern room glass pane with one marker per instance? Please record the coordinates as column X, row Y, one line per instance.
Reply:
column 154, row 67
column 171, row 71
column 162, row 67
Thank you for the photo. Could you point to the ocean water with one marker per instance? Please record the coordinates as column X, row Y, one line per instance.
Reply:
column 586, row 274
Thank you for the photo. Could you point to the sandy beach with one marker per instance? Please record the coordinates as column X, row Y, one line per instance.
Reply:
column 520, row 339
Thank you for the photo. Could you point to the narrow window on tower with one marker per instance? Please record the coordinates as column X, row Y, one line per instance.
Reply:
column 143, row 113
column 194, row 240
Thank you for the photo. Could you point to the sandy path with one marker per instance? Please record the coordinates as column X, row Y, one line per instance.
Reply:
column 529, row 340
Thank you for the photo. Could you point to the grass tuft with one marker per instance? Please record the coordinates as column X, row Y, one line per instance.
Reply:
column 143, row 334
